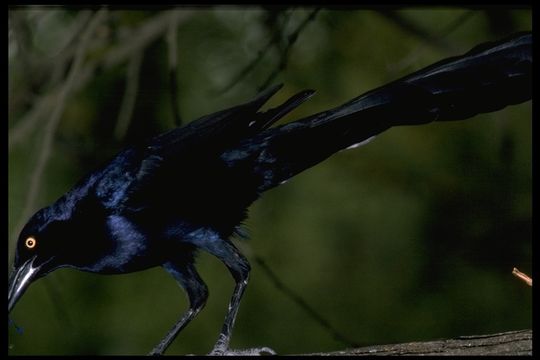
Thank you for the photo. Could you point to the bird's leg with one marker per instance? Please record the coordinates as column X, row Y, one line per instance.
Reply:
column 197, row 292
column 239, row 268
column 222, row 343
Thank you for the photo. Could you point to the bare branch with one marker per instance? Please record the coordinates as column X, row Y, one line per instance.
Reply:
column 44, row 106
column 58, row 62
column 273, row 41
column 63, row 56
column 143, row 36
column 51, row 125
column 131, row 46
column 304, row 305
column 285, row 53
column 522, row 276
column 421, row 33
column 418, row 52
column 172, row 42
column 507, row 343
column 128, row 101
column 24, row 126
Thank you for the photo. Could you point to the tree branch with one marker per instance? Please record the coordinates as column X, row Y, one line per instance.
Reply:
column 143, row 36
column 52, row 124
column 419, row 51
column 172, row 45
column 130, row 47
column 285, row 52
column 324, row 323
column 130, row 94
column 506, row 343
column 414, row 29
column 273, row 41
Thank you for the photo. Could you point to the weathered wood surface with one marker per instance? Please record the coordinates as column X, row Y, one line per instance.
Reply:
column 507, row 343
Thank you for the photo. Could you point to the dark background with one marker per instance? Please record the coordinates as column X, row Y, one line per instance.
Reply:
column 412, row 237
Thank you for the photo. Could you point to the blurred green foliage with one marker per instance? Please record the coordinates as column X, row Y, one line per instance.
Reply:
column 412, row 237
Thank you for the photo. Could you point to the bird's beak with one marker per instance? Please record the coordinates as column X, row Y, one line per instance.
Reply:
column 19, row 280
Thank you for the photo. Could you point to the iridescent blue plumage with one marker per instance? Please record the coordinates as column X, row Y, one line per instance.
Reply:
column 158, row 203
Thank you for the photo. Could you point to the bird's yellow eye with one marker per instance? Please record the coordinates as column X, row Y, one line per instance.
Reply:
column 30, row 243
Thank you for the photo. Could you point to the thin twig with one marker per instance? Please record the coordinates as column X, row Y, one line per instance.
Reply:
column 62, row 57
column 522, row 276
column 172, row 42
column 292, row 38
column 418, row 51
column 274, row 39
column 136, row 43
column 416, row 30
column 303, row 304
column 44, row 106
column 52, row 124
column 128, row 101
column 143, row 36
column 22, row 129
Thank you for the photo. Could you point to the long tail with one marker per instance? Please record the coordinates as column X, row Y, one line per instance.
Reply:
column 489, row 77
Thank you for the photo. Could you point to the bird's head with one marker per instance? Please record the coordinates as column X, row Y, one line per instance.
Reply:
column 39, row 251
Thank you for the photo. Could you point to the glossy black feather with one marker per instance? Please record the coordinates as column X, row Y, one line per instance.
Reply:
column 157, row 203
column 207, row 173
column 487, row 78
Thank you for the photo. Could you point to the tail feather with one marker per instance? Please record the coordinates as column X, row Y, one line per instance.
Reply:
column 274, row 114
column 487, row 78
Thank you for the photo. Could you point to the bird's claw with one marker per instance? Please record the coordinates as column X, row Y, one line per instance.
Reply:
column 154, row 353
column 218, row 351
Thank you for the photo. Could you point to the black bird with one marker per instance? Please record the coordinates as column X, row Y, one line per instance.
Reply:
column 158, row 203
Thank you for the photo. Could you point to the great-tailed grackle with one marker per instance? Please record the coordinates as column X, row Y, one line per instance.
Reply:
column 158, row 203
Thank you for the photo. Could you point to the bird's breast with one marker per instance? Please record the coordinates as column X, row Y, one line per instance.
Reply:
column 127, row 248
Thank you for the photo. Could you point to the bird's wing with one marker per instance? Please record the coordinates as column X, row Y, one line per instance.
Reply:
column 236, row 149
column 220, row 130
column 147, row 174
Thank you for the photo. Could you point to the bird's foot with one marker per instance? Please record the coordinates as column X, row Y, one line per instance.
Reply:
column 155, row 352
column 221, row 351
